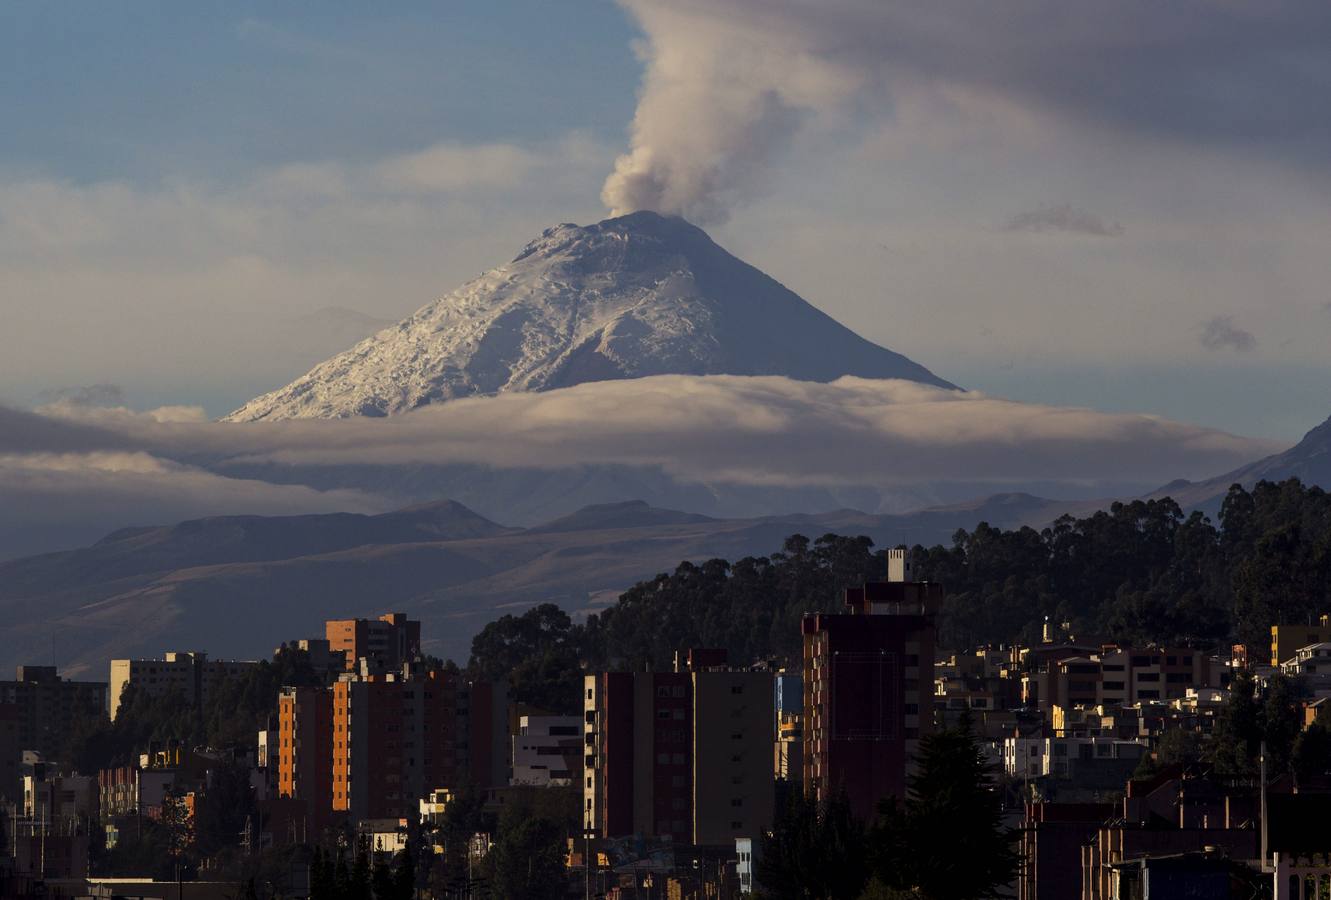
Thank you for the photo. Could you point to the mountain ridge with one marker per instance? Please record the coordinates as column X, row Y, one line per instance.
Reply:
column 179, row 589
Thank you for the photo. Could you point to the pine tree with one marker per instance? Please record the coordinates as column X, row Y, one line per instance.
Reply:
column 947, row 841
column 813, row 852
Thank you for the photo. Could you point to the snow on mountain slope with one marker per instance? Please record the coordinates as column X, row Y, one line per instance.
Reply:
column 637, row 295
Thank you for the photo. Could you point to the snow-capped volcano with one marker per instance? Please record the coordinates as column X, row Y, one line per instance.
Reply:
column 638, row 295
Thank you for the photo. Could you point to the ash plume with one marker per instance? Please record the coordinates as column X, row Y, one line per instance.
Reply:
column 728, row 83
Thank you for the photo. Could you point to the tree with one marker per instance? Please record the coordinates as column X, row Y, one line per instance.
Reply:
column 404, row 875
column 1312, row 748
column 536, row 653
column 947, row 841
column 813, row 852
column 527, row 860
column 1237, row 734
column 382, row 882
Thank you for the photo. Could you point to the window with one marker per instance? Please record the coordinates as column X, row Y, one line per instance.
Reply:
column 912, row 709
column 737, row 689
column 663, row 713
column 736, row 801
column 1148, row 695
column 1148, row 676
column 1113, row 685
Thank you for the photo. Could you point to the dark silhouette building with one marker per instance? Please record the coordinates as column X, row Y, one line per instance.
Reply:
column 868, row 688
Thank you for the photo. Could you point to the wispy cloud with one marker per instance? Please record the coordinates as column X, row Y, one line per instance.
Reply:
column 1065, row 218
column 1220, row 333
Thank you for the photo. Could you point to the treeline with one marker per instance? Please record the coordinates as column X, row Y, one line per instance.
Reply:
column 1138, row 572
column 1143, row 571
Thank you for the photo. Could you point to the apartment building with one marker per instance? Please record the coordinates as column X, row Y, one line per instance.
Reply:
column 868, row 688
column 684, row 755
column 386, row 642
column 11, row 754
column 393, row 741
column 547, row 751
column 190, row 674
column 302, row 750
column 1287, row 639
column 1122, row 676
column 48, row 706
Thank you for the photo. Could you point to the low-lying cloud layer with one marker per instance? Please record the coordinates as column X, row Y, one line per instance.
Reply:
column 135, row 468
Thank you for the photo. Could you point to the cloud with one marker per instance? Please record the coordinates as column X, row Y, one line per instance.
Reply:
column 75, row 472
column 751, row 430
column 1063, row 218
column 729, row 83
column 1220, row 333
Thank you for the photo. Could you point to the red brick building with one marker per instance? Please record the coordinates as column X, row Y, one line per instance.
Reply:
column 868, row 688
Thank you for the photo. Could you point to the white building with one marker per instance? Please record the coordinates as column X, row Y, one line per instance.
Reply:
column 190, row 674
column 547, row 751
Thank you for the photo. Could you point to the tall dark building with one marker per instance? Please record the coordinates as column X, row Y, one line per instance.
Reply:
column 868, row 688
column 48, row 705
column 684, row 755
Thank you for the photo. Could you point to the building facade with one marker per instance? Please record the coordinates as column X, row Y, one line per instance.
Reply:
column 48, row 706
column 190, row 674
column 868, row 688
column 679, row 755
column 386, row 643
column 547, row 751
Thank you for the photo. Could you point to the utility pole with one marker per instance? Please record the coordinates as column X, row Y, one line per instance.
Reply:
column 1262, row 776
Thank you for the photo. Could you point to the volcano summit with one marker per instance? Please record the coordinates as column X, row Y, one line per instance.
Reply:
column 637, row 295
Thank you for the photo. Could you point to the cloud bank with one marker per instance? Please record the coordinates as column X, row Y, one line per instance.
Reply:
column 137, row 468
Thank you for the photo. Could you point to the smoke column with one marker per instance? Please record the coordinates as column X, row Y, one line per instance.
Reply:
column 728, row 83
column 721, row 97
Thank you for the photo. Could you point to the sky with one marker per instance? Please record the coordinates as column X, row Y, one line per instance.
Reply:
column 1119, row 206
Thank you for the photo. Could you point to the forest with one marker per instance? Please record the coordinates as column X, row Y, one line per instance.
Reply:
column 1138, row 572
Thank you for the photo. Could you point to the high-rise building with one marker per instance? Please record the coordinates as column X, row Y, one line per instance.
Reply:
column 369, row 746
column 386, row 642
column 190, row 674
column 48, row 706
column 868, row 685
column 683, row 754
column 11, row 754
column 393, row 741
column 303, row 751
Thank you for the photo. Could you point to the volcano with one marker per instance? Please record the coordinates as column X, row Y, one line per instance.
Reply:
column 632, row 296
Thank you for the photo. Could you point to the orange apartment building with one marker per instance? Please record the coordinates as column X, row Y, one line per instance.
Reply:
column 371, row 746
column 386, row 642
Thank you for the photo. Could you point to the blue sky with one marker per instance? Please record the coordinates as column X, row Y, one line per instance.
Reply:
column 199, row 201
column 142, row 90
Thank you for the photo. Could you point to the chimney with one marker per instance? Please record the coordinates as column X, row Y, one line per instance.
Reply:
column 898, row 566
